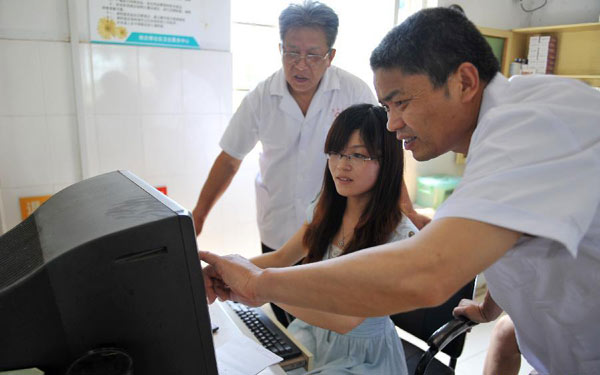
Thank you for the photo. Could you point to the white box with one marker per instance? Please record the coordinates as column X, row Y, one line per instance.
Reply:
column 541, row 68
column 531, row 60
column 534, row 40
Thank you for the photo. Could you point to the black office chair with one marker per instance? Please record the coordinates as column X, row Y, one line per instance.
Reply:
column 426, row 324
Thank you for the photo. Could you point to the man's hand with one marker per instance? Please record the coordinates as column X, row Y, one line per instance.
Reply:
column 213, row 285
column 484, row 312
column 472, row 310
column 231, row 277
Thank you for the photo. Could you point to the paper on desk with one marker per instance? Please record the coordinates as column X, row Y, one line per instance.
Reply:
column 242, row 356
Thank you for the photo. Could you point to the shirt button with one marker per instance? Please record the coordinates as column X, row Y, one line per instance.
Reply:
column 411, row 233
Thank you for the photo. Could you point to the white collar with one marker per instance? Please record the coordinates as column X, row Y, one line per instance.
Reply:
column 492, row 94
column 329, row 81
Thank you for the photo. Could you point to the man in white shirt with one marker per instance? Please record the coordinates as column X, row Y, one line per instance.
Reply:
column 526, row 211
column 290, row 113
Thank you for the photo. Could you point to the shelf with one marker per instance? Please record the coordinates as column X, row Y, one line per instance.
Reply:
column 577, row 54
column 559, row 28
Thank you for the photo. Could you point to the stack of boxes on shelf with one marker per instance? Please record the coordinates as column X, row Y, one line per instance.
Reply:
column 541, row 56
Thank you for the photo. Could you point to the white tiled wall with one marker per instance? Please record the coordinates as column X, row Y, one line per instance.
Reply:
column 39, row 152
column 155, row 111
column 158, row 112
column 34, row 19
column 22, row 83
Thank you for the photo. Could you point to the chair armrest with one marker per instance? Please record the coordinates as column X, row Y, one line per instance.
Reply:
column 449, row 331
column 442, row 337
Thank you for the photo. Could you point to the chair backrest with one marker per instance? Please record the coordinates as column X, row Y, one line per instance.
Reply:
column 423, row 322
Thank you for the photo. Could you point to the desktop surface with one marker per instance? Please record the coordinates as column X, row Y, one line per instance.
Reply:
column 231, row 326
column 229, row 329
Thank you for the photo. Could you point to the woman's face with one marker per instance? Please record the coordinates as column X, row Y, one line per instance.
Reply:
column 356, row 177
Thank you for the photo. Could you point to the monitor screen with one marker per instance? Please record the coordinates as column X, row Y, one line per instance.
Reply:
column 106, row 262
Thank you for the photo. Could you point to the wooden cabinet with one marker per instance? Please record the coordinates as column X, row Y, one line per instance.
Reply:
column 578, row 48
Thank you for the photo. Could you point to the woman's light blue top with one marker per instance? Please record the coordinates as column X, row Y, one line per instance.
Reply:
column 373, row 347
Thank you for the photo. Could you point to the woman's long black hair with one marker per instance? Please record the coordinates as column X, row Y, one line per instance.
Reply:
column 382, row 213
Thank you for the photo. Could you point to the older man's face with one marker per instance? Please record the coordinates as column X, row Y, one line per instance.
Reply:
column 426, row 119
column 303, row 76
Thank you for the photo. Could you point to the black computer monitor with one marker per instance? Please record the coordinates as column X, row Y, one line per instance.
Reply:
column 106, row 262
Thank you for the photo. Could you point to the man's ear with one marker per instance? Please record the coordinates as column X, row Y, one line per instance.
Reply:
column 331, row 56
column 467, row 77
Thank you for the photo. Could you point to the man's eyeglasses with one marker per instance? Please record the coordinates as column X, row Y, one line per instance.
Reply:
column 353, row 159
column 311, row 58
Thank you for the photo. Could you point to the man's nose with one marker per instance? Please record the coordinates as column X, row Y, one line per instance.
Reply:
column 395, row 121
column 301, row 64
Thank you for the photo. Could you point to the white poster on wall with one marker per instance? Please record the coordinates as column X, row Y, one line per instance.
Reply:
column 162, row 23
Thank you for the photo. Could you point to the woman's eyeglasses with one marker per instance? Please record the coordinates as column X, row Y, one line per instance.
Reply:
column 354, row 159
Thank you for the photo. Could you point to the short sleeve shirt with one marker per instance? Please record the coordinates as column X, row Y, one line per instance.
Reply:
column 292, row 160
column 533, row 166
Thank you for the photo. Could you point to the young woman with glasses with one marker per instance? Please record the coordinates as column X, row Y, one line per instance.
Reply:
column 358, row 207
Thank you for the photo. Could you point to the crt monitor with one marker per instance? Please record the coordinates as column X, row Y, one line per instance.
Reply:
column 106, row 262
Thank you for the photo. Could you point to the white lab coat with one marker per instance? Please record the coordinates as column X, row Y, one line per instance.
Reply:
column 533, row 166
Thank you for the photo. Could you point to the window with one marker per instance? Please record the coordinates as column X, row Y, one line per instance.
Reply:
column 405, row 8
column 255, row 38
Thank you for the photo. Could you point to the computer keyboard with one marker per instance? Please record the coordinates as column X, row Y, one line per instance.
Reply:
column 267, row 333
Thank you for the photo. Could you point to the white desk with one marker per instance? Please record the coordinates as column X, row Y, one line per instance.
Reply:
column 230, row 327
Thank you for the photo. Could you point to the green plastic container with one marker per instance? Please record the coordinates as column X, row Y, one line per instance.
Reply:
column 433, row 190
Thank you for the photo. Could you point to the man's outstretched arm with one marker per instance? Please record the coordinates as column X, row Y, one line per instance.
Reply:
column 424, row 270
